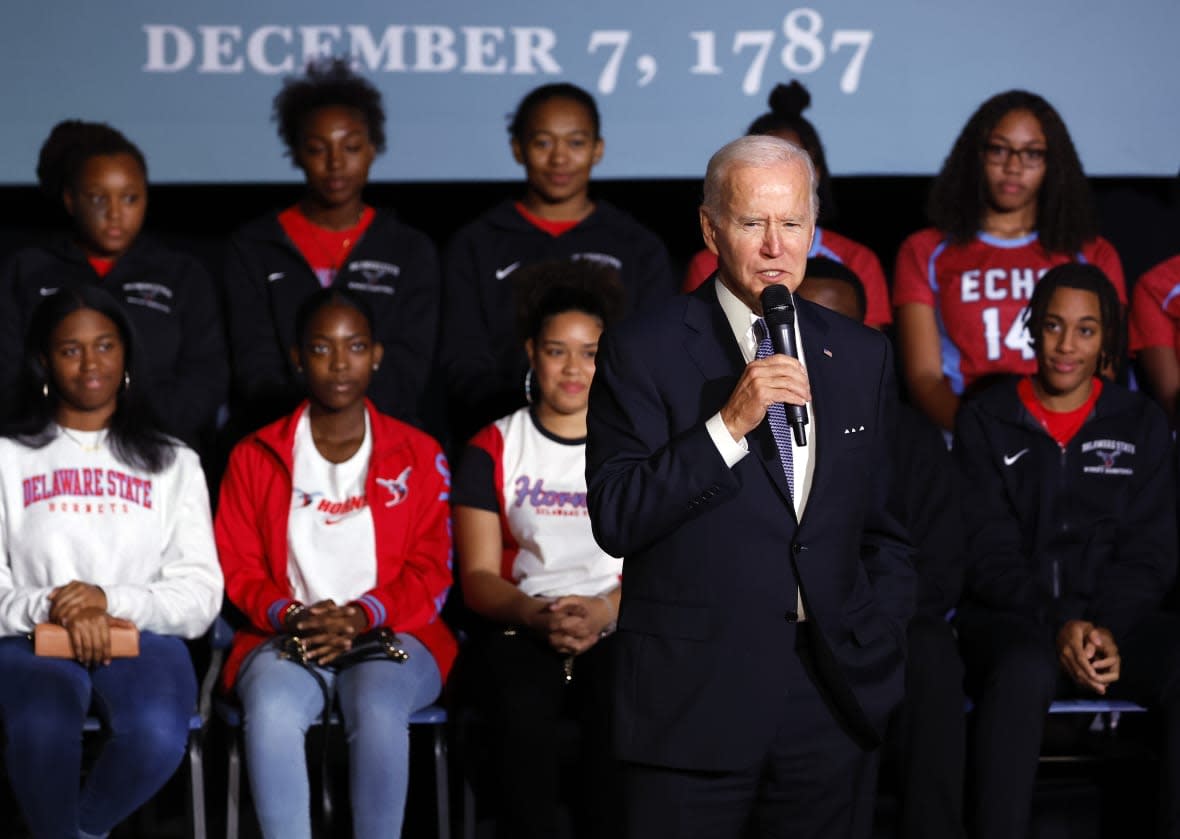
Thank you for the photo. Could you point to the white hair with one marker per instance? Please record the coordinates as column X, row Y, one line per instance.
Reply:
column 760, row 151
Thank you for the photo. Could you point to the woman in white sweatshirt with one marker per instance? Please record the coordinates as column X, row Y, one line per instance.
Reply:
column 104, row 521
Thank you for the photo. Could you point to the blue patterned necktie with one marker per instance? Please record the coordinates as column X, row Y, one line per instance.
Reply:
column 776, row 414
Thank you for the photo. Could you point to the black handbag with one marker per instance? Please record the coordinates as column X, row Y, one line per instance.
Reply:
column 375, row 645
column 380, row 644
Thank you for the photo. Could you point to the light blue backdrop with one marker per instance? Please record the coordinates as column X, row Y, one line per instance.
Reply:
column 892, row 80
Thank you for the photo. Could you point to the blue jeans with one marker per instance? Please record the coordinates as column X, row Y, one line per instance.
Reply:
column 145, row 704
column 281, row 700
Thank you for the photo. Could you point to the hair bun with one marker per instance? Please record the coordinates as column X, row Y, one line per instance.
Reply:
column 789, row 100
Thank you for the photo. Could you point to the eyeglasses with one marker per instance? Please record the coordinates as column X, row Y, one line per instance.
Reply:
column 1030, row 158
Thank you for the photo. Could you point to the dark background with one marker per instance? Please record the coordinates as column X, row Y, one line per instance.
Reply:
column 1141, row 216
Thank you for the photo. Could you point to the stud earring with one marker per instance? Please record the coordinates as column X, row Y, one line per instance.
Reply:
column 45, row 390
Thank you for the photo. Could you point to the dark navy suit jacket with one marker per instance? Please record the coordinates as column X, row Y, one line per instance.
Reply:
column 712, row 555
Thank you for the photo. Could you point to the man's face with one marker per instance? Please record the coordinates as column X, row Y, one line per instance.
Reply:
column 763, row 230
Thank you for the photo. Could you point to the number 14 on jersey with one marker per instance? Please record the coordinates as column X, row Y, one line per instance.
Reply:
column 1016, row 337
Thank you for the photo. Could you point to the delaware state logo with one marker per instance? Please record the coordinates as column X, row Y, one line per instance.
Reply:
column 152, row 295
column 378, row 276
column 1107, row 453
column 598, row 259
column 398, row 488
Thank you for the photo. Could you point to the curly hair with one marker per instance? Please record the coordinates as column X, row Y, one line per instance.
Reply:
column 518, row 122
column 70, row 144
column 787, row 103
column 328, row 82
column 1066, row 217
column 1084, row 277
column 546, row 289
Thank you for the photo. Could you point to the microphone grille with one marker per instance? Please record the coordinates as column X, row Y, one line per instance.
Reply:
column 777, row 307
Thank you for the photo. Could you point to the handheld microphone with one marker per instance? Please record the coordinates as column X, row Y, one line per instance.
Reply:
column 778, row 310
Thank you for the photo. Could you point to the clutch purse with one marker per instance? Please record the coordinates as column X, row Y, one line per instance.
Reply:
column 53, row 641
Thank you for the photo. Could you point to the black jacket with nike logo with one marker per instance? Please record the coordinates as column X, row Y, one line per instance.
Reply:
column 1086, row 531
column 392, row 266
column 482, row 357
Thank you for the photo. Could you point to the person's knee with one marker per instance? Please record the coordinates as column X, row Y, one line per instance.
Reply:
column 275, row 714
column 41, row 730
column 158, row 729
column 369, row 716
column 55, row 710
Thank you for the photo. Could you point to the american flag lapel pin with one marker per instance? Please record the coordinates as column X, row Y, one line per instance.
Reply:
column 827, row 352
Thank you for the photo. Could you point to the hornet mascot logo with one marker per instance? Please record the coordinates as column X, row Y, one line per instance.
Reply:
column 398, row 488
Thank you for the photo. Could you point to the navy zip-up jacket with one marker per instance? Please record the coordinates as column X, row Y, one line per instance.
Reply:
column 393, row 266
column 1085, row 531
column 172, row 304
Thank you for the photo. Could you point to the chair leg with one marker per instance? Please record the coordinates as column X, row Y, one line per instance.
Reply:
column 233, row 789
column 196, row 768
column 442, row 782
column 326, row 789
column 468, row 808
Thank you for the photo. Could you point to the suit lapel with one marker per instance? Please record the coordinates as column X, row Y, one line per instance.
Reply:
column 764, row 447
column 709, row 342
column 824, row 387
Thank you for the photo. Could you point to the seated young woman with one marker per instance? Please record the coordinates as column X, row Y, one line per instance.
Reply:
column 104, row 523
column 1069, row 507
column 529, row 566
column 333, row 521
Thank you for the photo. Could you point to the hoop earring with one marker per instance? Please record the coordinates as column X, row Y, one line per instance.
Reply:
column 45, row 390
column 528, row 386
column 126, row 381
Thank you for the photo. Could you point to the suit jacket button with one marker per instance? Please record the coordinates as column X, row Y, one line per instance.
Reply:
column 796, row 548
column 792, row 616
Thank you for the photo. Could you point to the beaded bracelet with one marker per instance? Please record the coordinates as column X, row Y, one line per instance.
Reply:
column 291, row 609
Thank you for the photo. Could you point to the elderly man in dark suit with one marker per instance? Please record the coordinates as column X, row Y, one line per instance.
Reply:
column 761, row 636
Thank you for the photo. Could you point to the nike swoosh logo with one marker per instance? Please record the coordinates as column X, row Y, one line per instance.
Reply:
column 501, row 273
column 1009, row 459
column 46, row 292
column 277, row 275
